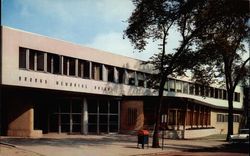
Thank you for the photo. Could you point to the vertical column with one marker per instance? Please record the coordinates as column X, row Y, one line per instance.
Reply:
column 52, row 65
column 104, row 73
column 82, row 69
column 126, row 77
column 35, row 61
column 76, row 67
column 67, row 67
column 90, row 70
column 98, row 118
column 27, row 58
column 199, row 116
column 108, row 115
column 176, row 116
column 70, row 118
column 45, row 62
column 116, row 76
column 175, row 85
column 59, row 119
column 192, row 116
column 136, row 78
column 85, row 116
column 61, row 65
column 145, row 80
column 119, row 115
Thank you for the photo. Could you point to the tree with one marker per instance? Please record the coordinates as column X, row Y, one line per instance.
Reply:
column 221, row 45
column 153, row 19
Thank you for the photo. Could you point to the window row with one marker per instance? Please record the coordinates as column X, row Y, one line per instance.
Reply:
column 56, row 64
column 224, row 118
column 173, row 85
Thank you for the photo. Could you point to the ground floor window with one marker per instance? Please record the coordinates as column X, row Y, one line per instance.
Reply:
column 67, row 116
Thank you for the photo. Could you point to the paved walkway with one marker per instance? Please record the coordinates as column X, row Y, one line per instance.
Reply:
column 104, row 145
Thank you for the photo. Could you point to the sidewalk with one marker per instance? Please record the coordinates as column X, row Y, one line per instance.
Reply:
column 104, row 145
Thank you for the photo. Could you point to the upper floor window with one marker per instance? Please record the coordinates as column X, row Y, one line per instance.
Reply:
column 40, row 61
column 140, row 77
column 178, row 86
column 110, row 73
column 96, row 71
column 171, row 84
column 237, row 97
column 22, row 57
column 131, row 77
column 53, row 63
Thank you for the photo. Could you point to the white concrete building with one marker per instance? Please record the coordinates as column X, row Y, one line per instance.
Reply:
column 50, row 85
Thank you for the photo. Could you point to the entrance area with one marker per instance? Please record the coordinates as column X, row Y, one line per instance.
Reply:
column 80, row 115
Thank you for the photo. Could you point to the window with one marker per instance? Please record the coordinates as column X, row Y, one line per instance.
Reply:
column 236, row 118
column 202, row 90
column 237, row 97
column 86, row 72
column 72, row 66
column 131, row 75
column 80, row 68
column 185, row 87
column 178, row 86
column 220, row 93
column 132, row 116
column 207, row 91
column 32, row 60
column 140, row 78
column 216, row 93
column 220, row 118
column 22, row 58
column 211, row 92
column 224, row 94
column 110, row 73
column 40, row 61
column 191, row 88
column 53, row 64
column 120, row 75
column 69, row 66
column 197, row 89
column 96, row 71
column 171, row 85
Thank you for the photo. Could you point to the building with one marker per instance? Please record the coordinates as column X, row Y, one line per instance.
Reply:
column 50, row 85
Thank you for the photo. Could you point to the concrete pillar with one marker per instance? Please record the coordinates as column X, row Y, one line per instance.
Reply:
column 136, row 79
column 76, row 67
column 61, row 65
column 35, row 62
column 85, row 116
column 45, row 62
column 116, row 75
column 90, row 70
column 52, row 65
column 104, row 73
column 68, row 67
column 70, row 118
column 27, row 58
column 119, row 115
column 145, row 80
column 125, row 76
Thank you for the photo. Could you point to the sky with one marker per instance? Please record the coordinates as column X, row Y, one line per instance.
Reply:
column 93, row 23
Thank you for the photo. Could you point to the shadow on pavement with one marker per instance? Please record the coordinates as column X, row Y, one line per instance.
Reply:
column 69, row 142
column 230, row 148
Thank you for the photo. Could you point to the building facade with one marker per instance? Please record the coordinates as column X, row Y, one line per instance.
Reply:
column 50, row 86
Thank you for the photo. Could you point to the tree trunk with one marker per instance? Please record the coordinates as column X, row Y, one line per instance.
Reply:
column 155, row 143
column 230, row 115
